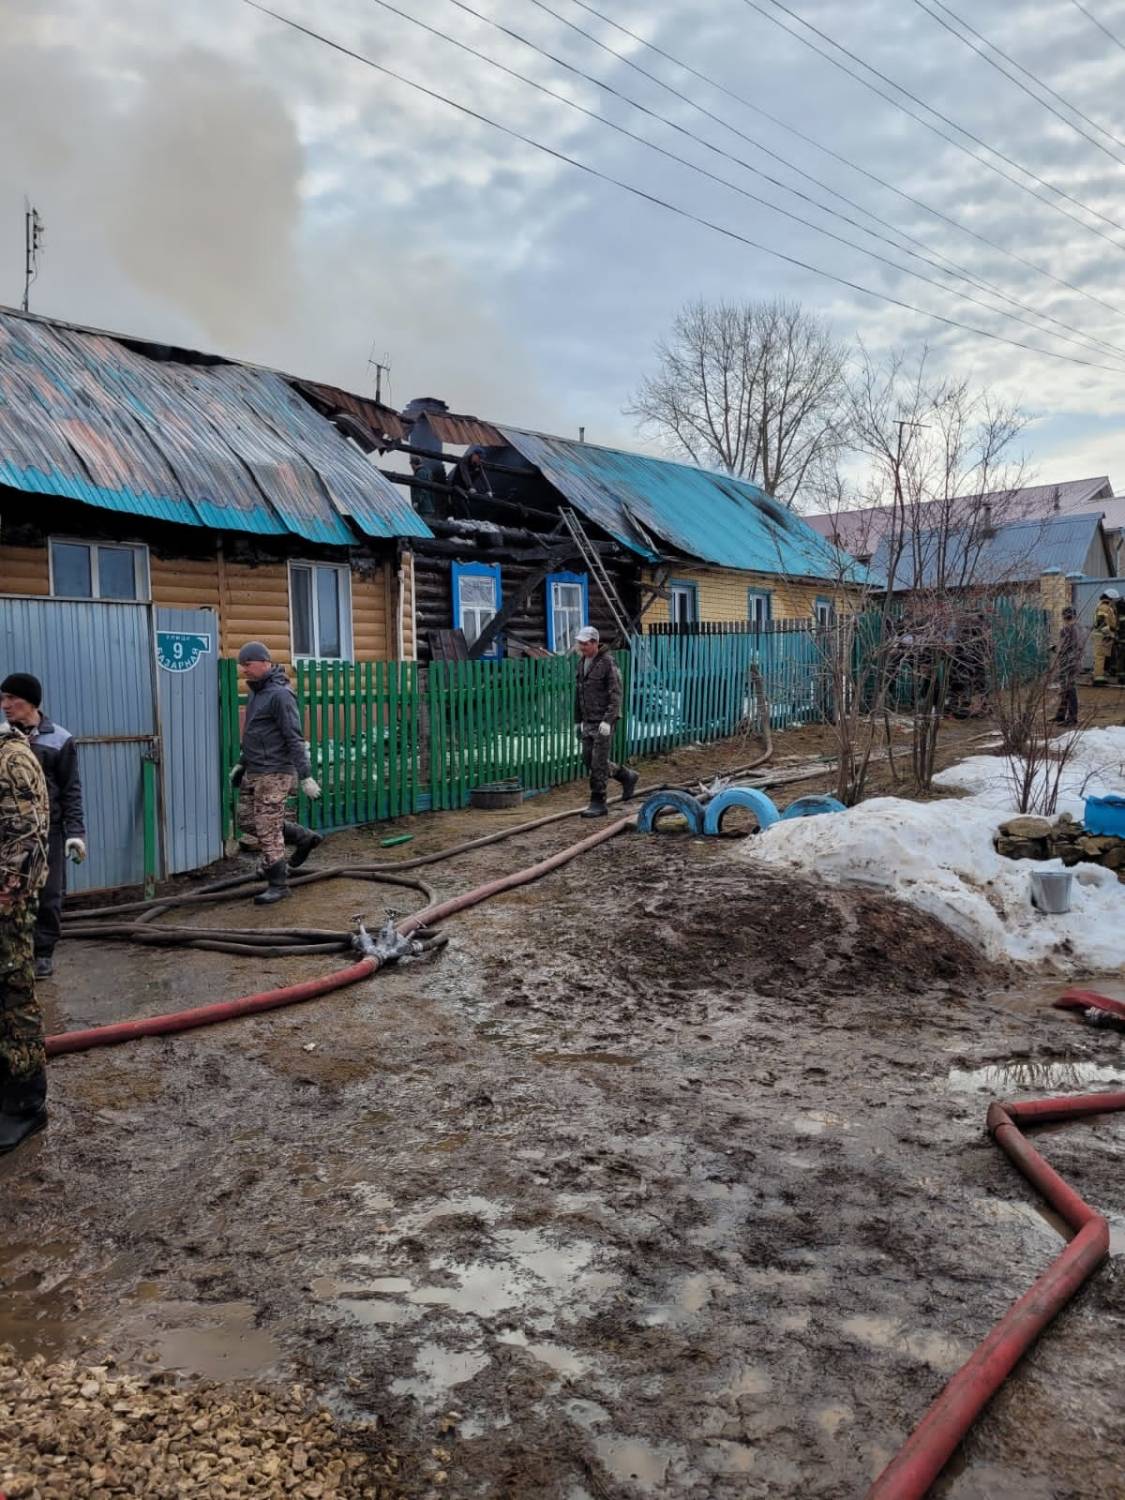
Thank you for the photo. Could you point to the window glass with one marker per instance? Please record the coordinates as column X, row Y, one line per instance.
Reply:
column 478, row 591
column 117, row 573
column 567, row 610
column 683, row 605
column 328, row 612
column 70, row 562
column 759, row 610
column 300, row 590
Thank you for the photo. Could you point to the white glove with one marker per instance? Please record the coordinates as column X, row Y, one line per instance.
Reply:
column 605, row 730
column 311, row 788
column 76, row 850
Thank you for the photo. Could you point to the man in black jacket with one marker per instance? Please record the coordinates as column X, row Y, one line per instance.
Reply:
column 21, row 697
column 597, row 708
column 274, row 756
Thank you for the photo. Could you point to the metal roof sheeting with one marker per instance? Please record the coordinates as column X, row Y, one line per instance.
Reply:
column 709, row 516
column 226, row 446
column 1014, row 553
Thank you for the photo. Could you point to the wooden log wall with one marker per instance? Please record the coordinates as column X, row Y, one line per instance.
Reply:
column 434, row 590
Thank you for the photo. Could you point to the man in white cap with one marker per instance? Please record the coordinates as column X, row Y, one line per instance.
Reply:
column 597, row 708
column 274, row 756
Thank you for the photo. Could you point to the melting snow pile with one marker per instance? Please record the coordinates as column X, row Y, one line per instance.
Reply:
column 939, row 857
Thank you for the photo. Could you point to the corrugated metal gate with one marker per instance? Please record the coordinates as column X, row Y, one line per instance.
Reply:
column 188, row 671
column 95, row 661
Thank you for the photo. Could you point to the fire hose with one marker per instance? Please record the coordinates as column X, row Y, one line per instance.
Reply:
column 375, row 956
column 929, row 1448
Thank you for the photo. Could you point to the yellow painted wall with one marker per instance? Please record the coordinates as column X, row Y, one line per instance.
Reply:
column 723, row 594
column 1054, row 596
column 24, row 570
column 251, row 602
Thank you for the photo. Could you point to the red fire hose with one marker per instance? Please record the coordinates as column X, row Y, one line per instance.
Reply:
column 293, row 994
column 932, row 1443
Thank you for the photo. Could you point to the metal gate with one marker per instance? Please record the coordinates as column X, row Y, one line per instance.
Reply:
column 188, row 669
column 95, row 661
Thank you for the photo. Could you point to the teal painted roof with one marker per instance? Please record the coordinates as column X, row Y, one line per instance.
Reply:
column 90, row 416
column 644, row 502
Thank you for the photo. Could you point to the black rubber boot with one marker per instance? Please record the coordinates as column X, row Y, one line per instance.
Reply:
column 596, row 809
column 278, row 889
column 628, row 780
column 44, row 966
column 23, row 1109
column 304, row 841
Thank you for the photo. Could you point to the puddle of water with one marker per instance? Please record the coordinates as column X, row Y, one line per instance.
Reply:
column 437, row 1370
column 228, row 1347
column 563, row 1361
column 373, row 1313
column 587, row 1414
column 630, row 1458
column 816, row 1122
column 372, row 1198
column 576, row 1059
column 483, row 1289
column 937, row 1350
column 1048, row 1077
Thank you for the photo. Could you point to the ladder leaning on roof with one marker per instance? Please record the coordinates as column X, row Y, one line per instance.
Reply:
column 596, row 567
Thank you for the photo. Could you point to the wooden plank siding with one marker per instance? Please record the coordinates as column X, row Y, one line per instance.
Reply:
column 250, row 600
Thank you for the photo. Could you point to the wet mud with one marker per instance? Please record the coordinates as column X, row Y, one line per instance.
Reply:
column 668, row 1177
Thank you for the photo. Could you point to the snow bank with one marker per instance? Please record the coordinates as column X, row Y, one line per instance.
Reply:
column 938, row 856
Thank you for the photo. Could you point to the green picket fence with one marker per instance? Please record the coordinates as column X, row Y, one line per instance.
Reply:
column 361, row 721
column 489, row 721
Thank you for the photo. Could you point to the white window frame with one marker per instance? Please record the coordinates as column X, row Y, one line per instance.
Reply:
column 347, row 641
column 141, row 574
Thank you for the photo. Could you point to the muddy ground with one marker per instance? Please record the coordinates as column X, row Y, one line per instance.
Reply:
column 666, row 1178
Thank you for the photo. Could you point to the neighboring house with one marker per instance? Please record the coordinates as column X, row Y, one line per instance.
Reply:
column 133, row 471
column 1036, row 559
column 861, row 532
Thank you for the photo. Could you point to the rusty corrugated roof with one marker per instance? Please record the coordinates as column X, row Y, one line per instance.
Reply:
column 380, row 420
column 453, row 427
column 86, row 416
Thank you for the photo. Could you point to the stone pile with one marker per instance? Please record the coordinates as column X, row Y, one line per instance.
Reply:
column 1030, row 837
column 68, row 1433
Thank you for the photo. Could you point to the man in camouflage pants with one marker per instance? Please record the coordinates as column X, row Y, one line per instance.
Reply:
column 24, row 827
column 274, row 755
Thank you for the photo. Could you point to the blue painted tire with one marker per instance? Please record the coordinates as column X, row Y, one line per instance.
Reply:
column 812, row 807
column 739, row 796
column 676, row 802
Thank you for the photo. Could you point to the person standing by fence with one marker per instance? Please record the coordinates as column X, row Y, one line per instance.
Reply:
column 274, row 755
column 21, row 698
column 1068, row 659
column 597, row 710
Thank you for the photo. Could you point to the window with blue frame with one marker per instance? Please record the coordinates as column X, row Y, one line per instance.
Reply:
column 568, row 609
column 683, row 602
column 476, row 598
column 759, row 607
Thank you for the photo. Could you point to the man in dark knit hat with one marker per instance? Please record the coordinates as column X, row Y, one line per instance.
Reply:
column 274, row 757
column 21, row 698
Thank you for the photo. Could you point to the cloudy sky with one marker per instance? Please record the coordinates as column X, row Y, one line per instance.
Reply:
column 211, row 177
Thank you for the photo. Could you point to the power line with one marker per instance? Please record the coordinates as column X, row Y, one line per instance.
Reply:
column 1099, row 25
column 844, row 160
column 981, row 160
column 964, row 40
column 465, row 47
column 654, row 199
column 950, row 267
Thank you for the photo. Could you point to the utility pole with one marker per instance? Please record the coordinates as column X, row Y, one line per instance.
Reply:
column 32, row 244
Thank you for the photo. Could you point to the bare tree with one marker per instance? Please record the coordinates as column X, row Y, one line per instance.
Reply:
column 942, row 479
column 754, row 388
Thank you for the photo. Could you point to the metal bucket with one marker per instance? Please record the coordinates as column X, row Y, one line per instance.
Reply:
column 1050, row 890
